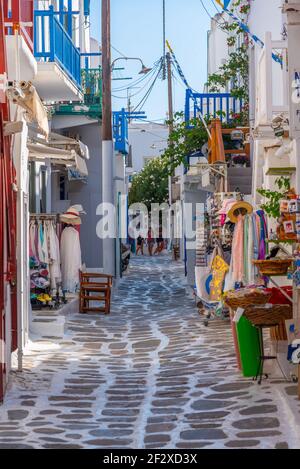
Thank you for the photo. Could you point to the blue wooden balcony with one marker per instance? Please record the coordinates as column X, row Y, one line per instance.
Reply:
column 212, row 105
column 91, row 80
column 120, row 128
column 52, row 43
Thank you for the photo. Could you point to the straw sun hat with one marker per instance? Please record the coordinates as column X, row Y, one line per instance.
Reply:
column 239, row 208
column 71, row 216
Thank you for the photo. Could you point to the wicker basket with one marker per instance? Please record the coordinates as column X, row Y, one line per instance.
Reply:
column 273, row 266
column 272, row 317
column 246, row 297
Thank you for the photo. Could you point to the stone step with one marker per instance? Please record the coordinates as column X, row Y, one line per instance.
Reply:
column 51, row 322
column 241, row 178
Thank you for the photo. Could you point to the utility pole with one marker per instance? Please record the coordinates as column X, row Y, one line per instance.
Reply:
column 107, row 137
column 171, row 128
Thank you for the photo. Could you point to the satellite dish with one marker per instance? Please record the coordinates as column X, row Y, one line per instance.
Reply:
column 204, row 150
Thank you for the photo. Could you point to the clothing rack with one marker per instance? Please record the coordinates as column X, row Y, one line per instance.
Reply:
column 54, row 217
column 44, row 216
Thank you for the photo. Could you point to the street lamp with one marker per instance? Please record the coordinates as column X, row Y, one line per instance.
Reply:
column 144, row 69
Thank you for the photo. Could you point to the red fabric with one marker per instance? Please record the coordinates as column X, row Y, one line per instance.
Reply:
column 278, row 298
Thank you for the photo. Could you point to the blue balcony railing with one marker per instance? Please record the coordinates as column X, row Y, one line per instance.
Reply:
column 221, row 105
column 52, row 43
column 120, row 128
column 120, row 131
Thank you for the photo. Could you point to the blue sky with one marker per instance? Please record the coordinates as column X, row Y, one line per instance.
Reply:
column 137, row 32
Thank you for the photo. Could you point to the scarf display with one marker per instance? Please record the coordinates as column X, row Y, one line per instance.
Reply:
column 249, row 243
column 44, row 253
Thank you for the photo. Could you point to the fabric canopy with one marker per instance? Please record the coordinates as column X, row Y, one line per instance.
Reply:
column 27, row 98
column 68, row 158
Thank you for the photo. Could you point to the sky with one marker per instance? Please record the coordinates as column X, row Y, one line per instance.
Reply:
column 136, row 31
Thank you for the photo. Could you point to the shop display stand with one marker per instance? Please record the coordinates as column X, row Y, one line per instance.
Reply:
column 296, row 291
column 263, row 357
column 37, row 304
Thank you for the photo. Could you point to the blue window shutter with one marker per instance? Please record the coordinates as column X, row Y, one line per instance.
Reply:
column 87, row 7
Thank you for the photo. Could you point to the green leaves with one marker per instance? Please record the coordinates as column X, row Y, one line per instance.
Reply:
column 235, row 71
column 272, row 207
column 183, row 141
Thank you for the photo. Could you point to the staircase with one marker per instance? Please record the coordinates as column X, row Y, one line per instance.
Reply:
column 241, row 178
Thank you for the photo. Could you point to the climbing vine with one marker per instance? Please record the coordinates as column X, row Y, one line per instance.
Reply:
column 235, row 71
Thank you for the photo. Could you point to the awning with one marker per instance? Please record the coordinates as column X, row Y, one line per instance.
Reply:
column 68, row 158
column 25, row 95
column 60, row 141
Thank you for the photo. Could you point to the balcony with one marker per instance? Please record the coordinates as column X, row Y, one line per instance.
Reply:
column 211, row 105
column 18, row 16
column 18, row 23
column 91, row 80
column 120, row 129
column 59, row 72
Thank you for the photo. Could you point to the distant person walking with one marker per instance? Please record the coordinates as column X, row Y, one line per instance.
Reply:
column 150, row 242
column 140, row 245
column 159, row 243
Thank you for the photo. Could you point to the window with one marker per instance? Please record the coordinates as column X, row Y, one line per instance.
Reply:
column 62, row 188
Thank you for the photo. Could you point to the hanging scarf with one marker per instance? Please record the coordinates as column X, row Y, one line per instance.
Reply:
column 245, row 250
column 40, row 242
column 263, row 233
column 32, row 239
column 237, row 250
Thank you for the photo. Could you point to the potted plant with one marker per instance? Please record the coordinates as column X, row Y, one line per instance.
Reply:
column 240, row 161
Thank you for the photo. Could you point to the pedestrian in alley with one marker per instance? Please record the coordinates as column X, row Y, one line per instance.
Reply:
column 150, row 242
column 140, row 245
column 159, row 243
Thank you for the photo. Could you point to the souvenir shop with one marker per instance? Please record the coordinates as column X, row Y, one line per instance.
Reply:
column 55, row 257
column 248, row 272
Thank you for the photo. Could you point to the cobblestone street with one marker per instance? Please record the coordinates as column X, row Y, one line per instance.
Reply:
column 149, row 375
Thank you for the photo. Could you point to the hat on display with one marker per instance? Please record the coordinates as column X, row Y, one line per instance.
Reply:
column 243, row 208
column 71, row 216
column 79, row 209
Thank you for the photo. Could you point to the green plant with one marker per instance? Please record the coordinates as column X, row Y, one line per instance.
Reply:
column 189, row 137
column 272, row 206
column 185, row 139
column 150, row 185
column 235, row 71
column 241, row 160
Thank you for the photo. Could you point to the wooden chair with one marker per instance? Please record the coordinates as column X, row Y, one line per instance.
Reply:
column 94, row 287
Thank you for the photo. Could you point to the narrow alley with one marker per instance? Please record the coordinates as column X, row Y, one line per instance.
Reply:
column 149, row 375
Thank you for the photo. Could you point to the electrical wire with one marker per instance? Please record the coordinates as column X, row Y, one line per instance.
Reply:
column 137, row 92
column 213, row 2
column 119, row 52
column 213, row 18
column 139, row 80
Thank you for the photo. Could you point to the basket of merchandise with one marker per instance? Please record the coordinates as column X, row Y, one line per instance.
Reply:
column 268, row 316
column 273, row 266
column 246, row 297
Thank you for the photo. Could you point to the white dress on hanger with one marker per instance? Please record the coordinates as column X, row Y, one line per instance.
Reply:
column 70, row 252
column 54, row 254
